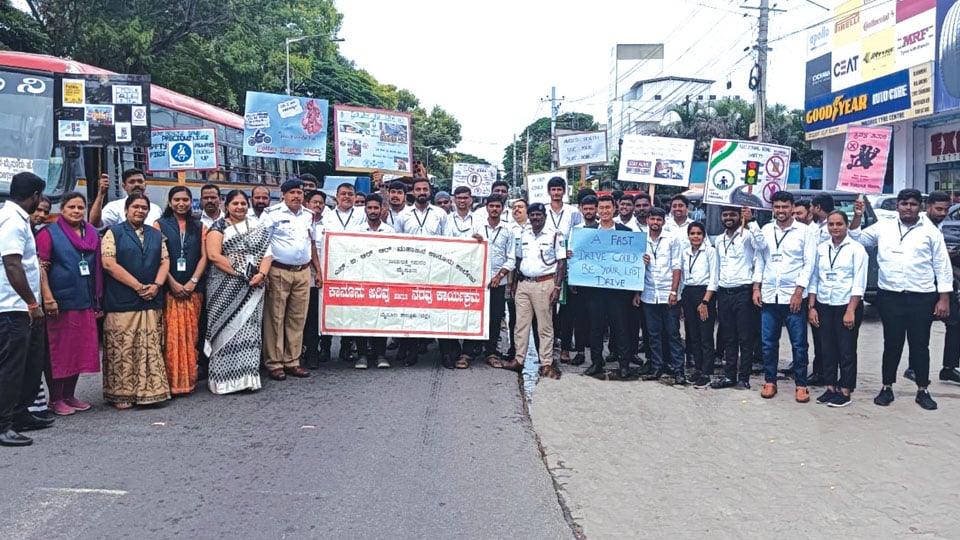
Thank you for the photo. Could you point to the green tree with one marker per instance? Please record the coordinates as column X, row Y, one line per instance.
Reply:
column 538, row 134
column 18, row 32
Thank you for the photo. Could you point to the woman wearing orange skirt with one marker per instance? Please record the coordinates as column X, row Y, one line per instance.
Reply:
column 188, row 260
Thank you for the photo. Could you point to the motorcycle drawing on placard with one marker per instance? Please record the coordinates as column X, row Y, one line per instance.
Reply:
column 259, row 137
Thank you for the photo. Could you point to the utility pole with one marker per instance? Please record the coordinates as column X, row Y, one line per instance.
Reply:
column 761, row 91
column 526, row 159
column 554, row 108
column 514, row 174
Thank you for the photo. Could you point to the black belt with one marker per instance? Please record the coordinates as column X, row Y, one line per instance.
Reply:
column 732, row 290
column 290, row 267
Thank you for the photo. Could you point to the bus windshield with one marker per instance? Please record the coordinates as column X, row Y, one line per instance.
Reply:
column 26, row 130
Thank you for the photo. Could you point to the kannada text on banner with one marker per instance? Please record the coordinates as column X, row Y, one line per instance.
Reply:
column 864, row 163
column 607, row 259
column 404, row 286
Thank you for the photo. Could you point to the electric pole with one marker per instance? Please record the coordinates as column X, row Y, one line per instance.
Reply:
column 514, row 173
column 554, row 108
column 761, row 91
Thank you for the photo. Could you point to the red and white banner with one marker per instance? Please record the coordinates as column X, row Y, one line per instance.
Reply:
column 404, row 286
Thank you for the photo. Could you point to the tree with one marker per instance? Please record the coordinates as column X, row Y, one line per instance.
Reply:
column 538, row 133
column 18, row 32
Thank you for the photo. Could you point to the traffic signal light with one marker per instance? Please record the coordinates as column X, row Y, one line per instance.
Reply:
column 750, row 174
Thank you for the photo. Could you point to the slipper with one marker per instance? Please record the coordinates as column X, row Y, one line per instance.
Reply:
column 123, row 406
column 495, row 361
column 463, row 362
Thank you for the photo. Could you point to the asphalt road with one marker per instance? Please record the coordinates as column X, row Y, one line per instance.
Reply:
column 418, row 452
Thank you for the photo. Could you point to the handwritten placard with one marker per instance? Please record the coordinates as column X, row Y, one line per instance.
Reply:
column 582, row 148
column 607, row 259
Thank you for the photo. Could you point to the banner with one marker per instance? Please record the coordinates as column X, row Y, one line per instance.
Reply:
column 404, row 286
column 285, row 127
column 583, row 148
column 479, row 178
column 743, row 173
column 372, row 140
column 183, row 149
column 608, row 259
column 101, row 110
column 656, row 160
column 537, row 186
column 865, row 159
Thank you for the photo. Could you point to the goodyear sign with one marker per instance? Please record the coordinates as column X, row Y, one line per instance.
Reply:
column 901, row 95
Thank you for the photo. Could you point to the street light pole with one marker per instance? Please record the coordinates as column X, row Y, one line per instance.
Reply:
column 288, row 41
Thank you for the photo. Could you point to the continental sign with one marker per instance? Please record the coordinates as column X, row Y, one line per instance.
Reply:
column 899, row 96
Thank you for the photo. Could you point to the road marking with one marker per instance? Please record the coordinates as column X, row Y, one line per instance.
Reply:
column 116, row 492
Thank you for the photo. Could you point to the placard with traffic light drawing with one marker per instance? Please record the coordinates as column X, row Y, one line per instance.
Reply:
column 745, row 173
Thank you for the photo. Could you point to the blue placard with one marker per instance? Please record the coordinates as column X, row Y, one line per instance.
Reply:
column 187, row 149
column 285, row 127
column 608, row 259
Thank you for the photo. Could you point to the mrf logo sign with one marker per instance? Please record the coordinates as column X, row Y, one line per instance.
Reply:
column 915, row 38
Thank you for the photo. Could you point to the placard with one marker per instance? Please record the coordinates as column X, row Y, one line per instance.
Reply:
column 404, row 286
column 607, row 259
column 865, row 155
column 285, row 127
column 744, row 173
column 537, row 186
column 183, row 149
column 10, row 166
column 583, row 148
column 656, row 160
column 479, row 178
column 372, row 140
column 101, row 110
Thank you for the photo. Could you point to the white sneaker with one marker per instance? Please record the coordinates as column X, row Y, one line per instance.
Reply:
column 361, row 363
column 382, row 362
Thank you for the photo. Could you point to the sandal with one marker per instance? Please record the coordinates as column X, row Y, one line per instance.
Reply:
column 494, row 361
column 123, row 406
column 463, row 362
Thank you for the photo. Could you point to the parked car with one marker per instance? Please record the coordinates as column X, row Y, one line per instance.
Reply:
column 951, row 228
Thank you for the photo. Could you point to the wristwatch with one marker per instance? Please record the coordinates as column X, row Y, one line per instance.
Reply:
column 704, row 303
column 194, row 280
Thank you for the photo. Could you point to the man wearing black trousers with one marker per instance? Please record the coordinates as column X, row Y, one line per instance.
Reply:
column 501, row 254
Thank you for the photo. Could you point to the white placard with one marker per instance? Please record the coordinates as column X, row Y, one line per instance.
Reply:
column 656, row 160
column 582, row 148
column 478, row 177
column 537, row 186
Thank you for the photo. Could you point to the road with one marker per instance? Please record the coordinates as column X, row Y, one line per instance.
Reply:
column 648, row 460
column 416, row 452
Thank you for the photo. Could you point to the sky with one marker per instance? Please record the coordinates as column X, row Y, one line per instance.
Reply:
column 490, row 63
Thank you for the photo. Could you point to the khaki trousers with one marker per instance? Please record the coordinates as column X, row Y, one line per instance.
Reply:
column 284, row 316
column 533, row 300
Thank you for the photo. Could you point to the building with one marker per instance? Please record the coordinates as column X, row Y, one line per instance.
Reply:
column 895, row 64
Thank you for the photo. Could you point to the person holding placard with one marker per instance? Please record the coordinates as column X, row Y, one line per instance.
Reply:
column 373, row 347
column 459, row 224
column 574, row 330
column 344, row 217
column 105, row 216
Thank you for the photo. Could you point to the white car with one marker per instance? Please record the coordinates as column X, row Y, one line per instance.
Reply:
column 885, row 206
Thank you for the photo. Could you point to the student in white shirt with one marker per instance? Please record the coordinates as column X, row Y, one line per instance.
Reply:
column 835, row 307
column 660, row 301
column 373, row 348
column 502, row 260
column 915, row 281
column 134, row 183
column 625, row 213
column 459, row 224
column 311, row 359
column 785, row 254
column 817, row 210
column 697, row 300
column 575, row 329
column 560, row 215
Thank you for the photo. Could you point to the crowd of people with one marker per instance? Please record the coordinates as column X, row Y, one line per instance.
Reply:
column 172, row 298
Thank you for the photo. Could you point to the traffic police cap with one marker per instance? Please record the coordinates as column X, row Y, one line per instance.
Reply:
column 293, row 183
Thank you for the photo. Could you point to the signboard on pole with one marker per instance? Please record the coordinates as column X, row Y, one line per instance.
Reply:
column 745, row 173
column 285, row 127
column 404, row 286
column 656, row 160
column 865, row 155
column 478, row 177
column 183, row 149
column 372, row 140
column 537, row 186
column 607, row 258
column 101, row 110
column 583, row 148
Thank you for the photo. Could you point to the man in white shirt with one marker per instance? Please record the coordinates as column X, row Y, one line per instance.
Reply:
column 288, row 294
column 459, row 224
column 625, row 213
column 373, row 347
column 501, row 189
column 259, row 201
column 542, row 265
column 502, row 260
column 575, row 329
column 915, row 282
column 785, row 255
column 679, row 218
column 210, row 205
column 397, row 203
column 22, row 338
column 735, row 307
column 641, row 209
column 134, row 182
column 345, row 216
column 560, row 215
column 311, row 359
column 660, row 302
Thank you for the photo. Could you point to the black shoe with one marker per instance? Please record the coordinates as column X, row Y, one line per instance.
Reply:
column 742, row 385
column 827, row 396
column 909, row 374
column 637, row 360
column 950, row 375
column 12, row 438
column 885, row 397
column 595, row 368
column 925, row 401
column 839, row 400
column 701, row 382
column 578, row 360
column 646, row 368
column 324, row 356
column 392, row 345
column 680, row 380
column 29, row 422
column 725, row 382
column 44, row 414
column 816, row 380
column 446, row 360
column 652, row 375
column 624, row 371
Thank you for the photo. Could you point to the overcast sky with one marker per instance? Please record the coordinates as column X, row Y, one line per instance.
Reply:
column 489, row 63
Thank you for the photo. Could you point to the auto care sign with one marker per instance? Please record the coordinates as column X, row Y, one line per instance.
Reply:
column 865, row 159
column 404, row 286
column 478, row 177
column 745, row 173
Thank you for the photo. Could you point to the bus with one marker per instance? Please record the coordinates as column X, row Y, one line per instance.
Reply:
column 27, row 127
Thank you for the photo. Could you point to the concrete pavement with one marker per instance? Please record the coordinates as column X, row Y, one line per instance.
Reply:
column 647, row 460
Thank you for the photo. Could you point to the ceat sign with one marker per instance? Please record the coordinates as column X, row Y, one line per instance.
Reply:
column 845, row 67
column 943, row 144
